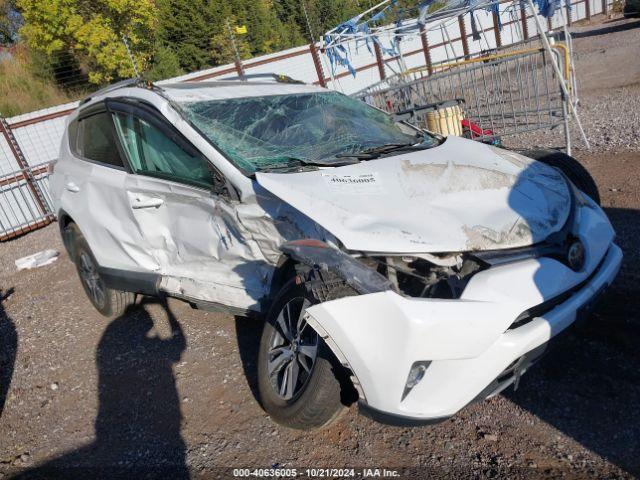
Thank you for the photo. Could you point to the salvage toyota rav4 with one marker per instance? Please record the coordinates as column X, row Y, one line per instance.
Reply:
column 409, row 272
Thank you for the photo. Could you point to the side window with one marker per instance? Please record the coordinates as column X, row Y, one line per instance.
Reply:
column 96, row 140
column 152, row 152
column 73, row 138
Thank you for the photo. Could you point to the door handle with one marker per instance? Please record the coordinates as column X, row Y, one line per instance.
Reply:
column 72, row 187
column 147, row 203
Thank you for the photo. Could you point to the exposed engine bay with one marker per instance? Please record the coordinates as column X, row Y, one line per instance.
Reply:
column 433, row 277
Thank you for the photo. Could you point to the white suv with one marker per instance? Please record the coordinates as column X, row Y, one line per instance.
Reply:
column 411, row 272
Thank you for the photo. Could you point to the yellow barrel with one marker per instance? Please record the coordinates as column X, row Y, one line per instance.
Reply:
column 442, row 121
column 446, row 119
column 458, row 117
column 432, row 121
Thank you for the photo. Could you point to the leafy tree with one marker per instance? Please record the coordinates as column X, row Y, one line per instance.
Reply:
column 83, row 38
column 222, row 51
column 187, row 26
column 197, row 30
column 326, row 14
column 165, row 64
column 266, row 32
column 92, row 31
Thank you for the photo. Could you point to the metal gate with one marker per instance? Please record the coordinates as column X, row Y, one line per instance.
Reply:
column 25, row 203
column 500, row 94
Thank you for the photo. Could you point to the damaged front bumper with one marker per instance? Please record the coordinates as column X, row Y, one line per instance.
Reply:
column 472, row 347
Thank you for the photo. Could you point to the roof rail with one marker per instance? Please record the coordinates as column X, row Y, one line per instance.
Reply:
column 273, row 76
column 129, row 82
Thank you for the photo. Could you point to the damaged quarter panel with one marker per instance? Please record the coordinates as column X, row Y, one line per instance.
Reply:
column 459, row 196
column 270, row 222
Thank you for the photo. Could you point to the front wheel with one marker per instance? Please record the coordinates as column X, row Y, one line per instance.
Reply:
column 301, row 384
column 573, row 169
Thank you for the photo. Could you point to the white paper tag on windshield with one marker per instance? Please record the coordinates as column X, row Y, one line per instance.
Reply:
column 365, row 184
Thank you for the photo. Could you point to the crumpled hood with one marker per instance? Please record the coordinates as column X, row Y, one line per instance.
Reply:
column 459, row 196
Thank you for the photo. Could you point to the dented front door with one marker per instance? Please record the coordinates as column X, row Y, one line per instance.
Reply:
column 191, row 232
column 195, row 239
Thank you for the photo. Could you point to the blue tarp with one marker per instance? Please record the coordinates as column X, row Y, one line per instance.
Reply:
column 361, row 30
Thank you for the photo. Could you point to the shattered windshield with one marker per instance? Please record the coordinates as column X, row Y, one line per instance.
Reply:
column 258, row 133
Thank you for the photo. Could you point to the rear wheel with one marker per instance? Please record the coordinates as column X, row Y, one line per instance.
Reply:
column 109, row 302
column 568, row 165
column 301, row 383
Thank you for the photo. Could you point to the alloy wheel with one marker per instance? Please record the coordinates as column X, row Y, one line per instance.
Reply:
column 293, row 349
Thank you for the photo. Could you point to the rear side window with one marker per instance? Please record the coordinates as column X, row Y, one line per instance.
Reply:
column 96, row 140
column 73, row 138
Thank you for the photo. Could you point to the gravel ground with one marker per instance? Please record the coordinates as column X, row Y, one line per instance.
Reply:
column 103, row 397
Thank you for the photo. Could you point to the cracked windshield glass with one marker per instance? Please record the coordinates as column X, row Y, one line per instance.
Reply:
column 280, row 131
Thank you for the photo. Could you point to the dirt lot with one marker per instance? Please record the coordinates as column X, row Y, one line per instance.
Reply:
column 124, row 396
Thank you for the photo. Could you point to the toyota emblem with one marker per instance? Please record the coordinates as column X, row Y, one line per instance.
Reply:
column 576, row 255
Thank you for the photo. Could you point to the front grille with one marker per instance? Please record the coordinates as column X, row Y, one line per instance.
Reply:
column 420, row 278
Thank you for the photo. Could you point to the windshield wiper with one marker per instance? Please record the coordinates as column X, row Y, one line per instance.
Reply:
column 375, row 152
column 289, row 163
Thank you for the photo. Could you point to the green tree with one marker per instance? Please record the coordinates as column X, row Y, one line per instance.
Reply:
column 187, row 26
column 222, row 51
column 196, row 30
column 327, row 14
column 164, row 64
column 266, row 32
column 91, row 31
column 83, row 38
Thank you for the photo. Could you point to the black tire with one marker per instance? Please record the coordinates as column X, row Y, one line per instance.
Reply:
column 573, row 169
column 325, row 392
column 109, row 302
